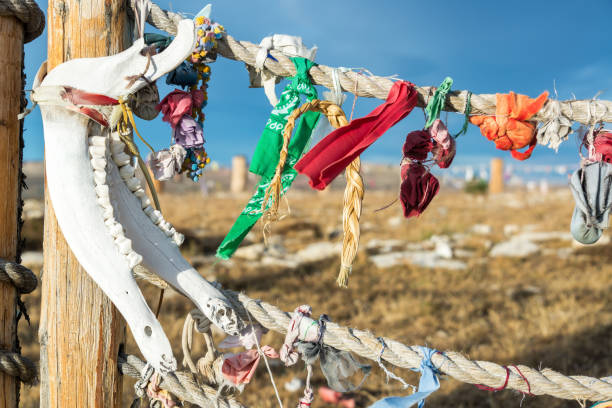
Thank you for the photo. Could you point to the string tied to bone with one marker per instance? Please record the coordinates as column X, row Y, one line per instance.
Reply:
column 428, row 384
column 436, row 104
column 125, row 127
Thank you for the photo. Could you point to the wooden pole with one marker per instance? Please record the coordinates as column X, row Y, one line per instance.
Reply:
column 496, row 180
column 80, row 330
column 11, row 44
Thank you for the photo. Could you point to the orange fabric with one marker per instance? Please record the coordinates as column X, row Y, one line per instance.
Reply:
column 511, row 128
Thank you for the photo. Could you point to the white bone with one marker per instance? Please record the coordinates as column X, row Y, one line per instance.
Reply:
column 126, row 172
column 70, row 172
column 98, row 141
column 99, row 163
column 121, row 158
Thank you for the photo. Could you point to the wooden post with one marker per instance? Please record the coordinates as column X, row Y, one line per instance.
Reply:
column 239, row 174
column 11, row 44
column 496, row 180
column 80, row 330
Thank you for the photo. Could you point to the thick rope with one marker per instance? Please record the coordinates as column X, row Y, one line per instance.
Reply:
column 180, row 384
column 28, row 12
column 586, row 111
column 453, row 364
column 353, row 193
column 16, row 365
column 18, row 275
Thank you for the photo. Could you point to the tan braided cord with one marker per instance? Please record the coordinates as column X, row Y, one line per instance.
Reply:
column 181, row 384
column 353, row 193
column 585, row 111
column 28, row 12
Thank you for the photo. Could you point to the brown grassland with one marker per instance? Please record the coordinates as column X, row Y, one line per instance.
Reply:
column 543, row 310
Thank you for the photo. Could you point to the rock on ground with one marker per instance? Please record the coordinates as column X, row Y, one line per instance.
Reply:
column 515, row 248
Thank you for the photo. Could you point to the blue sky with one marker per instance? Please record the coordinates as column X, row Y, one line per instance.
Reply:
column 485, row 46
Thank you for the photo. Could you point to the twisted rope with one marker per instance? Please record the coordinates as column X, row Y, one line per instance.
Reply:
column 28, row 12
column 453, row 364
column 181, row 384
column 372, row 86
column 15, row 365
column 18, row 275
column 353, row 193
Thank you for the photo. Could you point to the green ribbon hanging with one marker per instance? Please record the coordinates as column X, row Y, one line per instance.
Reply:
column 266, row 155
column 436, row 104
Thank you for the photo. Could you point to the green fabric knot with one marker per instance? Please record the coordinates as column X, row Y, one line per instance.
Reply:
column 436, row 104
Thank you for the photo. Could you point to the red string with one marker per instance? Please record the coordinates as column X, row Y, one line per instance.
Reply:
column 526, row 382
column 486, row 388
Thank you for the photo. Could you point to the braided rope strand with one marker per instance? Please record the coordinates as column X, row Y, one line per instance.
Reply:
column 372, row 86
column 366, row 344
column 181, row 384
column 353, row 193
column 18, row 275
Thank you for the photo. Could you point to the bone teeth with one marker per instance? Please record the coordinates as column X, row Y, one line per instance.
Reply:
column 124, row 245
column 98, row 163
column 178, row 238
column 148, row 210
column 102, row 190
column 127, row 172
column 134, row 259
column 156, row 217
column 97, row 141
column 145, row 202
column 133, row 184
column 97, row 151
column 139, row 193
column 115, row 137
column 99, row 177
column 108, row 212
column 117, row 147
column 104, row 203
column 121, row 158
column 116, row 230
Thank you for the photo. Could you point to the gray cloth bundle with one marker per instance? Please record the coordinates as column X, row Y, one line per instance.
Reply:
column 592, row 190
column 338, row 366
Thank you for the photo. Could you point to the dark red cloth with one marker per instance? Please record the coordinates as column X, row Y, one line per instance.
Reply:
column 417, row 145
column 336, row 151
column 418, row 188
column 603, row 146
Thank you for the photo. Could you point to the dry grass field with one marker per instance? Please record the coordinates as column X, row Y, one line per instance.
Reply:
column 549, row 309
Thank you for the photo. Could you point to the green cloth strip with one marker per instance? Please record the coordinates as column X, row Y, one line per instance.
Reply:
column 266, row 155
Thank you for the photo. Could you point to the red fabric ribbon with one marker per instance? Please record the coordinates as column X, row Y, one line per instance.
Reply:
column 240, row 368
column 603, row 145
column 337, row 150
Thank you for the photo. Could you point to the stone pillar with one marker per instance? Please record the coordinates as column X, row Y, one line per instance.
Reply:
column 496, row 180
column 239, row 174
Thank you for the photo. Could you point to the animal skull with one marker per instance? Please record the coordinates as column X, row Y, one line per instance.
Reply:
column 100, row 205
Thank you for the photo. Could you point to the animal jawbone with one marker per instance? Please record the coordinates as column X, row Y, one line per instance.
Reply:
column 102, row 208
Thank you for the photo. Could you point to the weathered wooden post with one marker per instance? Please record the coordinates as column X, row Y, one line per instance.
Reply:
column 496, row 180
column 16, row 27
column 239, row 174
column 80, row 329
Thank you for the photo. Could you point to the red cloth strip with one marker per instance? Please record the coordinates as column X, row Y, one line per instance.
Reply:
column 326, row 160
column 78, row 97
